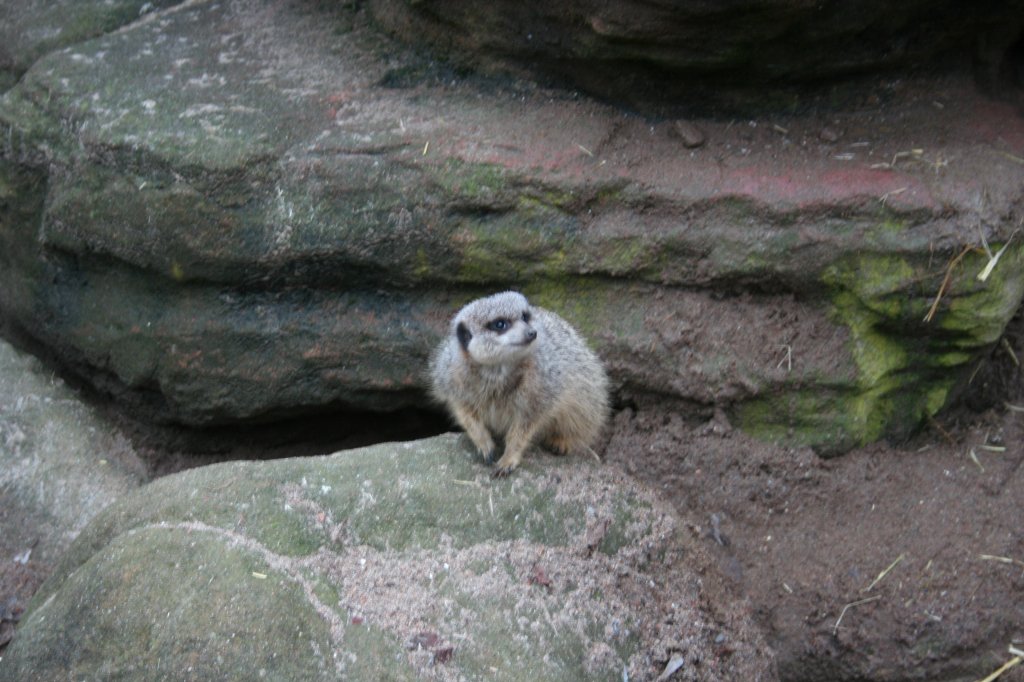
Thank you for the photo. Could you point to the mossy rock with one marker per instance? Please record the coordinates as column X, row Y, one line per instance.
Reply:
column 61, row 461
column 915, row 329
column 227, row 225
column 402, row 560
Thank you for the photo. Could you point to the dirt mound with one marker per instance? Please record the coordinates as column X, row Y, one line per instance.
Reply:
column 894, row 562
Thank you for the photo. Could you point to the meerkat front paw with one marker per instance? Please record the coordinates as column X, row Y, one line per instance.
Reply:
column 502, row 472
column 506, row 465
column 486, row 448
column 477, row 433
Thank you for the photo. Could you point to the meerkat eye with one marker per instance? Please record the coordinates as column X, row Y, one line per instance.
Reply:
column 499, row 325
column 526, row 316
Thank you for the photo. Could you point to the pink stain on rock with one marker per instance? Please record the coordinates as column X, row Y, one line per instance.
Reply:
column 806, row 189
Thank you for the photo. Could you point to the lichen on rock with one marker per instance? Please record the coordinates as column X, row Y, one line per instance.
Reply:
column 915, row 327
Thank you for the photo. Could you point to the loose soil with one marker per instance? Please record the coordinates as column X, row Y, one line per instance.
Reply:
column 894, row 562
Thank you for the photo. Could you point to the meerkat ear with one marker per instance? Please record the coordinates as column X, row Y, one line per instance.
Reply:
column 462, row 332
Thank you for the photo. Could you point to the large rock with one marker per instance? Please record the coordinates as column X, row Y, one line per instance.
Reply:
column 61, row 462
column 697, row 54
column 397, row 561
column 28, row 30
column 231, row 211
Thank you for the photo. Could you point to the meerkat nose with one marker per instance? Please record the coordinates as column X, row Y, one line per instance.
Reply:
column 531, row 335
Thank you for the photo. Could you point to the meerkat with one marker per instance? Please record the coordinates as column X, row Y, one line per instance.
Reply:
column 521, row 374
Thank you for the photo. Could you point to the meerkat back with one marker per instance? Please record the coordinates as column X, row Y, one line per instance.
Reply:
column 581, row 408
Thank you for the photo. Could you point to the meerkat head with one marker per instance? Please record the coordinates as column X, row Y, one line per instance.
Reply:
column 495, row 330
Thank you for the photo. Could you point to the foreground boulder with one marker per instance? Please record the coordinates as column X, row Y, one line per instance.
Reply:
column 61, row 462
column 402, row 560
column 228, row 212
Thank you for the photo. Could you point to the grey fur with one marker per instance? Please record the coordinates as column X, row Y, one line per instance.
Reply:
column 533, row 381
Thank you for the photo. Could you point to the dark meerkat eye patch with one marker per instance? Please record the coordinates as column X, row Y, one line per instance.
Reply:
column 464, row 336
column 526, row 316
column 499, row 325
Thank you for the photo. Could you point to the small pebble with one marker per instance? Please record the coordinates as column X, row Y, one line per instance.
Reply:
column 828, row 135
column 691, row 135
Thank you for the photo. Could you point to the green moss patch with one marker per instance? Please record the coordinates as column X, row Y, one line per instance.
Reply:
column 907, row 366
column 402, row 556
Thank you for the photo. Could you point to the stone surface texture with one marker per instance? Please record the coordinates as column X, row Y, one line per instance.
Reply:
column 401, row 561
column 234, row 211
column 61, row 463
column 695, row 54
